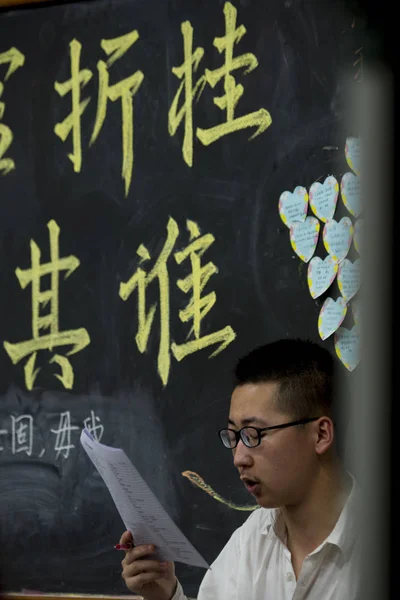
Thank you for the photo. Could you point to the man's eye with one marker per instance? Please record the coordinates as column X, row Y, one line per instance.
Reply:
column 252, row 433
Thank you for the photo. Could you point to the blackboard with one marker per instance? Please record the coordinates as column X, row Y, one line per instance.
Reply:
column 112, row 220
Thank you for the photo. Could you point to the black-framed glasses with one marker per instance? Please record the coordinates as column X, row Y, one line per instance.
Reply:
column 251, row 436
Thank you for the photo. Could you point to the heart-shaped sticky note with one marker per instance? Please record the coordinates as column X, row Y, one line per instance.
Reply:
column 323, row 198
column 347, row 346
column 320, row 275
column 356, row 310
column 304, row 238
column 293, row 206
column 331, row 316
column 337, row 238
column 349, row 278
column 352, row 151
column 351, row 193
column 358, row 232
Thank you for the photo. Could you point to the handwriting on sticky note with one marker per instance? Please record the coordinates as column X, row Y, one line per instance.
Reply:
column 140, row 511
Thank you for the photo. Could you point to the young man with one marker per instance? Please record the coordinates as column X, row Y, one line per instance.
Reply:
column 302, row 542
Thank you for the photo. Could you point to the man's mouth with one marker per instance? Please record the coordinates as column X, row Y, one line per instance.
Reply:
column 252, row 485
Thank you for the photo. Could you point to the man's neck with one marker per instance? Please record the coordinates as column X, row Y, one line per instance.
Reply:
column 310, row 523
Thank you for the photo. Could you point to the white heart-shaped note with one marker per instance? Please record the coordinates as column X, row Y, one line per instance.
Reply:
column 337, row 238
column 358, row 233
column 352, row 151
column 349, row 278
column 321, row 274
column 331, row 316
column 347, row 346
column 351, row 193
column 323, row 198
column 293, row 206
column 304, row 238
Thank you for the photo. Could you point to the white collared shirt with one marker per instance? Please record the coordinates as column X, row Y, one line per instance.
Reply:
column 256, row 563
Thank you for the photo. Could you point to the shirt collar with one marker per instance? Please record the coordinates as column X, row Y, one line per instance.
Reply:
column 344, row 533
column 273, row 523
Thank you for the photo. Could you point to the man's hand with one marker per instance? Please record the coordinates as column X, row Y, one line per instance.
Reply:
column 151, row 579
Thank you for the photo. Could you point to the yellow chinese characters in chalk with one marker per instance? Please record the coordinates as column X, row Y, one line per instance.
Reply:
column 124, row 90
column 141, row 280
column 190, row 92
column 194, row 283
column 72, row 123
column 77, row 338
column 199, row 306
column 14, row 59
column 259, row 119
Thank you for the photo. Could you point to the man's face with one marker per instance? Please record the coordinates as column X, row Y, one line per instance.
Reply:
column 279, row 471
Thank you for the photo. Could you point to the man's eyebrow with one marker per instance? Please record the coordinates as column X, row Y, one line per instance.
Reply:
column 248, row 421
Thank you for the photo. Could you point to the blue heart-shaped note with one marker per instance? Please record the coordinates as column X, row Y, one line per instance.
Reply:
column 349, row 278
column 331, row 316
column 347, row 346
column 323, row 198
column 320, row 275
column 293, row 206
column 304, row 238
column 337, row 238
column 352, row 151
column 351, row 193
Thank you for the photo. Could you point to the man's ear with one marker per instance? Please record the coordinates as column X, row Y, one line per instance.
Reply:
column 324, row 434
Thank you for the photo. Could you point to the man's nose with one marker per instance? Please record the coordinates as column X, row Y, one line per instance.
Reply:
column 242, row 455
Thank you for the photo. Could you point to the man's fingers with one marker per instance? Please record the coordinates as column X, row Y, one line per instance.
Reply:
column 144, row 566
column 126, row 538
column 138, row 552
column 136, row 583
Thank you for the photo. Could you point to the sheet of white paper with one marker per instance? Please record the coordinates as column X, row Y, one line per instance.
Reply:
column 138, row 507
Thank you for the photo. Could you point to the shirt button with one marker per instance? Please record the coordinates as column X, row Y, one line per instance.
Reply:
column 289, row 577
